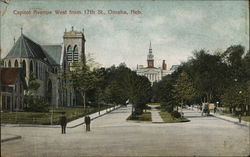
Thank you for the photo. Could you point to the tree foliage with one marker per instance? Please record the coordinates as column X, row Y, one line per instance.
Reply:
column 220, row 77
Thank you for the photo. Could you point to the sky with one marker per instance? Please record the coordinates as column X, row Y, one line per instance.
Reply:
column 175, row 28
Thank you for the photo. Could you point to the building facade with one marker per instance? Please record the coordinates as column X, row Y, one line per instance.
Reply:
column 151, row 72
column 12, row 89
column 47, row 63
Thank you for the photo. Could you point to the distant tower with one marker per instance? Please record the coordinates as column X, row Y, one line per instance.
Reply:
column 150, row 58
column 74, row 43
column 164, row 65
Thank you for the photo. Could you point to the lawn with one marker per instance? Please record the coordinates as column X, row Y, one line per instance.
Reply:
column 166, row 117
column 145, row 116
column 45, row 117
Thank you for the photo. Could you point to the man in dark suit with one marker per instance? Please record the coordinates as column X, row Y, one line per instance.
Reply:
column 63, row 122
column 87, row 122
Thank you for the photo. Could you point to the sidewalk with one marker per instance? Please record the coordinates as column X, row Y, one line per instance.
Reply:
column 231, row 119
column 156, row 118
column 226, row 118
column 80, row 121
column 5, row 137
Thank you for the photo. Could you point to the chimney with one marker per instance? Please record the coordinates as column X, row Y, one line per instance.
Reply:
column 164, row 65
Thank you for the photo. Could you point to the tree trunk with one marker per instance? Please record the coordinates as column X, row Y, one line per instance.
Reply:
column 83, row 98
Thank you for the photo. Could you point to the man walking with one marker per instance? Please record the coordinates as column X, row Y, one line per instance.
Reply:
column 63, row 122
column 87, row 122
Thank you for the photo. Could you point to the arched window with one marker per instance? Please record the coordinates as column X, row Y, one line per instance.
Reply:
column 69, row 53
column 16, row 63
column 75, row 53
column 49, row 91
column 36, row 70
column 24, row 68
column 9, row 64
column 31, row 67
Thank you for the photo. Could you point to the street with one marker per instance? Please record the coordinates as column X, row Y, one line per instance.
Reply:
column 112, row 135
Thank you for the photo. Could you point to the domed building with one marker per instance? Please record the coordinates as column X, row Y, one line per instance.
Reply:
column 153, row 73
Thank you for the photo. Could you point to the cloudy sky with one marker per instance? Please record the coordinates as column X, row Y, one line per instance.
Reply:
column 175, row 28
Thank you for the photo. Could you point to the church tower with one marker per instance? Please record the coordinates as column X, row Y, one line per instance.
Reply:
column 150, row 58
column 74, row 44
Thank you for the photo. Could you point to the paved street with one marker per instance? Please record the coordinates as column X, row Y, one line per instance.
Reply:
column 112, row 135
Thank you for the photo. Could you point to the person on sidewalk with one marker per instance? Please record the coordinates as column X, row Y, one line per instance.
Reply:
column 63, row 122
column 215, row 108
column 87, row 122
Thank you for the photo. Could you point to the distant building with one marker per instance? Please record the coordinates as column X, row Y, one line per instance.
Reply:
column 12, row 89
column 151, row 72
column 173, row 68
column 46, row 63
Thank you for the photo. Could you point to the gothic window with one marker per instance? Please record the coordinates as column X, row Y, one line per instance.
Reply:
column 31, row 67
column 75, row 53
column 9, row 64
column 24, row 68
column 36, row 70
column 69, row 53
column 16, row 63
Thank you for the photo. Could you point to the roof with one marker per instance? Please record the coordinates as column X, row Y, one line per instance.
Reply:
column 53, row 53
column 174, row 67
column 9, row 76
column 26, row 48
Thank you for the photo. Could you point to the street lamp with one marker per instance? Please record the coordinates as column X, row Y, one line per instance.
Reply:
column 240, row 92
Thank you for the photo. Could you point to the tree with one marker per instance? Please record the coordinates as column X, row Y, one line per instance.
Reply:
column 81, row 78
column 34, row 103
column 235, row 96
column 184, row 88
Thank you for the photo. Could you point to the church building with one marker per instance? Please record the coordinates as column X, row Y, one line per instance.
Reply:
column 47, row 63
column 153, row 73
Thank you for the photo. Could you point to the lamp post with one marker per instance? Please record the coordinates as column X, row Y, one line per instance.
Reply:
column 240, row 92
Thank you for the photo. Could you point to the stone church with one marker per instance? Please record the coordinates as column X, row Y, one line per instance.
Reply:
column 47, row 63
column 153, row 73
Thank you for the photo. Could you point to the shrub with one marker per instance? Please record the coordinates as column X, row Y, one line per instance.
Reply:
column 34, row 104
column 176, row 114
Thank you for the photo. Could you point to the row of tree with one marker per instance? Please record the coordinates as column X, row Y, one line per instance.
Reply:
column 114, row 85
column 221, row 77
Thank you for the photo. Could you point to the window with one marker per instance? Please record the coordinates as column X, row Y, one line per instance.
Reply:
column 31, row 67
column 69, row 53
column 16, row 63
column 75, row 53
column 24, row 68
column 9, row 64
column 36, row 70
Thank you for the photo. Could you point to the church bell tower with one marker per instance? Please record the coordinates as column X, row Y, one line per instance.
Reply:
column 74, row 44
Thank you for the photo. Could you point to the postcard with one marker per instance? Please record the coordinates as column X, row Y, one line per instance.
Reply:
column 124, row 78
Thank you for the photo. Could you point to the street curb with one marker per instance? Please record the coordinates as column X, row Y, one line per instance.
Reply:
column 31, row 125
column 11, row 138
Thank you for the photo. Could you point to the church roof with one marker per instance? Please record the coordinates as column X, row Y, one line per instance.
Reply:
column 26, row 48
column 53, row 53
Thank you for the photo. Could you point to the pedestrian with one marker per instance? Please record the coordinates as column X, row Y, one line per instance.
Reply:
column 215, row 108
column 63, row 122
column 87, row 122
